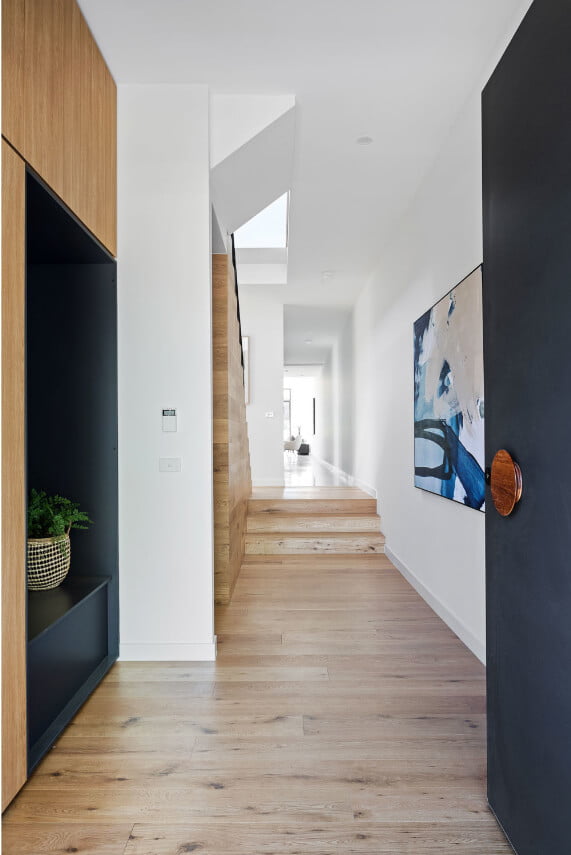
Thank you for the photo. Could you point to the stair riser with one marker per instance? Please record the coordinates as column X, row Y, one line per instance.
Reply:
column 331, row 562
column 308, row 546
column 280, row 507
column 284, row 523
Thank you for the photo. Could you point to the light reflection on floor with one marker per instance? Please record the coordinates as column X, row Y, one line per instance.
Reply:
column 303, row 470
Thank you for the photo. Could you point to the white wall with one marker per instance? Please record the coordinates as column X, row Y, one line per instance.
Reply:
column 262, row 313
column 334, row 440
column 323, row 441
column 345, row 400
column 166, row 528
column 302, row 395
column 438, row 542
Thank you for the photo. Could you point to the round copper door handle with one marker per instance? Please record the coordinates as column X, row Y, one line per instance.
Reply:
column 505, row 482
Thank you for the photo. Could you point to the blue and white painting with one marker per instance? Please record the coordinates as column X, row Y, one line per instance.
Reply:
column 449, row 396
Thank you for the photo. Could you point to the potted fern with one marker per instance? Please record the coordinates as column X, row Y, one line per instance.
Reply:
column 50, row 519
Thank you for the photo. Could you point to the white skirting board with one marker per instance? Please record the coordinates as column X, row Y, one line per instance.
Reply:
column 134, row 652
column 350, row 480
column 449, row 618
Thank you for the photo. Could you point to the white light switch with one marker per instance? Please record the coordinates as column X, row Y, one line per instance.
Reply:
column 169, row 420
column 270, row 415
column 170, row 464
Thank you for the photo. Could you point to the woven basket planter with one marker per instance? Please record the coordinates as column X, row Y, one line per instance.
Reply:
column 48, row 562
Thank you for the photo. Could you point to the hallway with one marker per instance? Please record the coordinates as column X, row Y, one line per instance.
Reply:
column 305, row 470
column 342, row 716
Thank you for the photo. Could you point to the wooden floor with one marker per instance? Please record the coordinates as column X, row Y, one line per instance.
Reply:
column 342, row 716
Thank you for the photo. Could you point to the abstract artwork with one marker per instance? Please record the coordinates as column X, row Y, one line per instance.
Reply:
column 449, row 396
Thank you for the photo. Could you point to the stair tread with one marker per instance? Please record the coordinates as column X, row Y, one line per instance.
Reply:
column 311, row 535
column 322, row 507
column 310, row 491
column 287, row 522
column 324, row 514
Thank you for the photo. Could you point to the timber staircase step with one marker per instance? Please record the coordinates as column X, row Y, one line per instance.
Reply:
column 330, row 561
column 362, row 505
column 294, row 543
column 317, row 521
column 313, row 522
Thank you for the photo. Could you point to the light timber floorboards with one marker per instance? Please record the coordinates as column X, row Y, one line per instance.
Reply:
column 342, row 716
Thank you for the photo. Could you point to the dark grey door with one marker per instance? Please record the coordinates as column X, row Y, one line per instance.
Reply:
column 527, row 355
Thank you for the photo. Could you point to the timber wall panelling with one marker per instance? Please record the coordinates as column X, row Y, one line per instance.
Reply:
column 14, row 729
column 232, row 479
column 59, row 107
column 59, row 117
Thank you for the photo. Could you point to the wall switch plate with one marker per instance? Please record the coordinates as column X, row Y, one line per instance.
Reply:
column 270, row 415
column 170, row 464
column 169, row 420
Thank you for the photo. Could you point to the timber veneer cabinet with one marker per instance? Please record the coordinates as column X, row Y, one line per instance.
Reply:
column 59, row 419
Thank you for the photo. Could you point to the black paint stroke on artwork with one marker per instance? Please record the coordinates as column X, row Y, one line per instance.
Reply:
column 457, row 460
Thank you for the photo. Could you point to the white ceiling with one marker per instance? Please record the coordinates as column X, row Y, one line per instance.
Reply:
column 311, row 331
column 291, row 371
column 396, row 70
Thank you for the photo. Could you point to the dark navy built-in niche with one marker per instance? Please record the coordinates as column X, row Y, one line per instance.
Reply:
column 71, row 400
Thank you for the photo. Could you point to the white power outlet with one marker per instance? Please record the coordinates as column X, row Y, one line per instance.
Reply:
column 170, row 464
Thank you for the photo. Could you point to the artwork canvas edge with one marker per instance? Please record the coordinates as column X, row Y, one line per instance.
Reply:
column 482, row 508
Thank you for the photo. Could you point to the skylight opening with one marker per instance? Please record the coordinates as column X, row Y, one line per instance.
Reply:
column 267, row 230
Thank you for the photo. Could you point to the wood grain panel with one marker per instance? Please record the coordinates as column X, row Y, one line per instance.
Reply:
column 13, row 18
column 95, row 840
column 59, row 108
column 231, row 454
column 80, row 181
column 90, row 109
column 47, row 24
column 367, row 838
column 310, row 500
column 14, row 756
column 288, row 522
column 276, row 543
